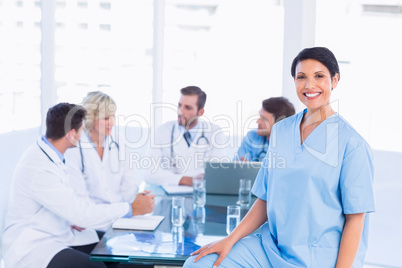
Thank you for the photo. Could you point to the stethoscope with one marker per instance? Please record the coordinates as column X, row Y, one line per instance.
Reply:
column 172, row 158
column 263, row 153
column 51, row 160
column 46, row 154
column 112, row 145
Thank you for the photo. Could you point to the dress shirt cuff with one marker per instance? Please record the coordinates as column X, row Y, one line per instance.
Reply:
column 130, row 212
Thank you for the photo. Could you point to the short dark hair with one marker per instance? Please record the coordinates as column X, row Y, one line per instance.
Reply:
column 62, row 118
column 193, row 90
column 280, row 107
column 321, row 54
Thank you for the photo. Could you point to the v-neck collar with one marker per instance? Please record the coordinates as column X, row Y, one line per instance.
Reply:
column 300, row 146
column 90, row 143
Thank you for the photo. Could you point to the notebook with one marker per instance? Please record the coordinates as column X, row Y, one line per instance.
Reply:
column 177, row 189
column 224, row 177
column 147, row 223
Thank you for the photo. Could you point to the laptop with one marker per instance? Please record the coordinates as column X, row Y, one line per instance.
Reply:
column 224, row 177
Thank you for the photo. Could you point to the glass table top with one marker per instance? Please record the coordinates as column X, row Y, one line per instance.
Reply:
column 168, row 244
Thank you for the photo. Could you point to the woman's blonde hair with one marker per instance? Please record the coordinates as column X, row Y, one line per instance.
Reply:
column 98, row 105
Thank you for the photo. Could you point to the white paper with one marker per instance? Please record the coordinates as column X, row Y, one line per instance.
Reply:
column 177, row 189
column 148, row 223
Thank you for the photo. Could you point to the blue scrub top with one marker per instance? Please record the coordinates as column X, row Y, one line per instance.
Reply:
column 310, row 187
column 252, row 147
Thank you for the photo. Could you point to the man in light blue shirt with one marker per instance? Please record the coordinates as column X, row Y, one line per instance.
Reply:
column 255, row 145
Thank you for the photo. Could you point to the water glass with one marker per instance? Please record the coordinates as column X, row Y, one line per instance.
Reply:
column 178, row 234
column 232, row 218
column 178, row 240
column 178, row 211
column 245, row 192
column 199, row 214
column 199, row 193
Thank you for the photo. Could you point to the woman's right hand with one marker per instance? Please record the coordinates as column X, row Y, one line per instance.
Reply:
column 220, row 247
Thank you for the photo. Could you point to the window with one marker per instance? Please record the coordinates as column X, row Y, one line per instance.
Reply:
column 366, row 40
column 19, row 65
column 105, row 46
column 231, row 49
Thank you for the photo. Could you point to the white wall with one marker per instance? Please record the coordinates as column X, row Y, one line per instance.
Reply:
column 385, row 234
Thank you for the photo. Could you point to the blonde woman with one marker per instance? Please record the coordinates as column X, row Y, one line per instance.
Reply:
column 95, row 167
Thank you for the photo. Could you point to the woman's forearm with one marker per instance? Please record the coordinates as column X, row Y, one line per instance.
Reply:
column 350, row 241
column 256, row 216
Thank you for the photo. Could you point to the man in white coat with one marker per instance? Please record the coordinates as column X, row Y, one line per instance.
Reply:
column 179, row 148
column 44, row 212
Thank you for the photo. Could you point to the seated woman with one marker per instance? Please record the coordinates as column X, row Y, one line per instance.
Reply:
column 312, row 212
column 96, row 167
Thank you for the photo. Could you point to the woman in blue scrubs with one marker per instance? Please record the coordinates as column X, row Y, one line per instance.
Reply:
column 313, row 192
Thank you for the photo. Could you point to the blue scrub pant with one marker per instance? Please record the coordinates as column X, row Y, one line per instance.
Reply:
column 248, row 252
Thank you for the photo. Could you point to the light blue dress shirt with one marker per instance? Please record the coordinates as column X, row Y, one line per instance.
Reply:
column 192, row 131
column 60, row 155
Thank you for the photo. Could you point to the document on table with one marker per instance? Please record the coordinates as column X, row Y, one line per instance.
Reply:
column 177, row 189
column 147, row 223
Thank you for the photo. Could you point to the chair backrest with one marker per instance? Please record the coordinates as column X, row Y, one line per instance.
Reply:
column 13, row 145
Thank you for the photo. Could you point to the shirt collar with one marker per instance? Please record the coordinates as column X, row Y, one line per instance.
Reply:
column 60, row 155
column 193, row 131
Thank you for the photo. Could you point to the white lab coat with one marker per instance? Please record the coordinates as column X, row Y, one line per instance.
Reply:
column 189, row 160
column 43, row 206
column 107, row 180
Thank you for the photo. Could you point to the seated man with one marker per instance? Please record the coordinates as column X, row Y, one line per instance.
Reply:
column 180, row 147
column 255, row 145
column 44, row 213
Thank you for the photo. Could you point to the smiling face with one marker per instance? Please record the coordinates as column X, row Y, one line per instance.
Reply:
column 314, row 83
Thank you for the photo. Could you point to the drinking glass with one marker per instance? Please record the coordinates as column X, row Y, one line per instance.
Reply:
column 232, row 218
column 199, row 215
column 244, row 192
column 178, row 240
column 199, row 194
column 178, row 212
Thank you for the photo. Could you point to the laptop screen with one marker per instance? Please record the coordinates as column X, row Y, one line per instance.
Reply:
column 224, row 177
